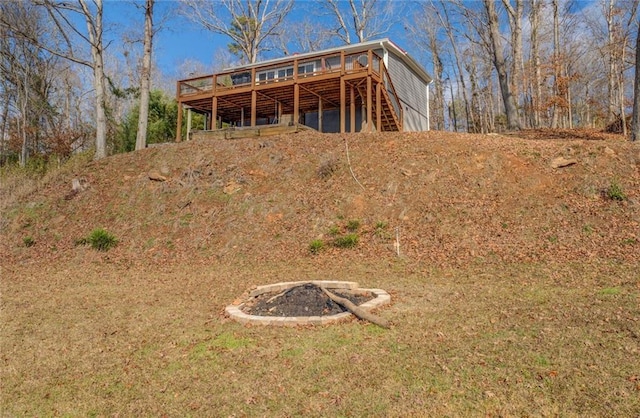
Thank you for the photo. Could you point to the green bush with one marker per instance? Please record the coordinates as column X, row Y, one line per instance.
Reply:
column 28, row 242
column 381, row 230
column 353, row 225
column 615, row 192
column 334, row 230
column 346, row 241
column 316, row 246
column 101, row 240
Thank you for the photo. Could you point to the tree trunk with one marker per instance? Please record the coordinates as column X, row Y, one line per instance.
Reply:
column 623, row 113
column 94, row 29
column 3, row 126
column 101, row 116
column 569, row 106
column 556, row 65
column 145, row 80
column 452, row 108
column 477, row 122
column 24, row 153
column 501, row 67
column 635, row 126
column 517, row 64
column 535, row 56
column 612, row 64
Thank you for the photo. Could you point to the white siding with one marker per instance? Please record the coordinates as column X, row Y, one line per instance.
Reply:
column 412, row 92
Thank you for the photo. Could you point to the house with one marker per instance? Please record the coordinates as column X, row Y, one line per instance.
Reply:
column 370, row 86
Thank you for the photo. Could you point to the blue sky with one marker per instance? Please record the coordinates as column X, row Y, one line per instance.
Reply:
column 180, row 40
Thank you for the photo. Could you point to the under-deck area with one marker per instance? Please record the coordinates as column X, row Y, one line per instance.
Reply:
column 334, row 92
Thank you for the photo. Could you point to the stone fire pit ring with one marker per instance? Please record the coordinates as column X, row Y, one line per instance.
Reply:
column 234, row 311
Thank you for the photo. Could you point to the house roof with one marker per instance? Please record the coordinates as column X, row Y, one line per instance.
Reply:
column 384, row 43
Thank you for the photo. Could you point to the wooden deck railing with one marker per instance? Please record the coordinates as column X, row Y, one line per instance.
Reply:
column 284, row 71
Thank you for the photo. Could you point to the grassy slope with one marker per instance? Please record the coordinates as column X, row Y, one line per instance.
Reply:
column 516, row 293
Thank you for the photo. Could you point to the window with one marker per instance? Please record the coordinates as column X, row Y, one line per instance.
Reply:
column 306, row 68
column 285, row 72
column 266, row 75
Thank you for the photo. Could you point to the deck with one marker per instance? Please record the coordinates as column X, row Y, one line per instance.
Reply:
column 281, row 92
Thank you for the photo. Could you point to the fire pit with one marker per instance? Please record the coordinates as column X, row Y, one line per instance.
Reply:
column 305, row 303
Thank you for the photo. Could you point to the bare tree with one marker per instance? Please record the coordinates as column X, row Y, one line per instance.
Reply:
column 28, row 75
column 145, row 79
column 620, row 17
column 250, row 24
column 366, row 19
column 424, row 31
column 448, row 25
column 305, row 36
column 628, row 11
column 517, row 64
column 609, row 13
column 536, row 93
column 501, row 66
column 557, row 67
column 65, row 26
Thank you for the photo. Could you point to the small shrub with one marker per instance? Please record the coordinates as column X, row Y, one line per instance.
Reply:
column 615, row 192
column 101, row 240
column 28, row 242
column 334, row 230
column 381, row 225
column 346, row 241
column 353, row 225
column 381, row 230
column 316, row 246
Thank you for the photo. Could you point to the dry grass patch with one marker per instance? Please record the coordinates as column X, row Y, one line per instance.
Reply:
column 517, row 339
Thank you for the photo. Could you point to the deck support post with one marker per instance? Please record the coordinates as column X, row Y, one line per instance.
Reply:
column 343, row 106
column 296, row 103
column 352, row 104
column 343, row 95
column 378, row 107
column 369, row 103
column 179, row 124
column 319, row 114
column 254, row 104
column 188, row 123
column 214, row 113
column 179, row 127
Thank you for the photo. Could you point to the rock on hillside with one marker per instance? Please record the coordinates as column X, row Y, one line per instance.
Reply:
column 435, row 197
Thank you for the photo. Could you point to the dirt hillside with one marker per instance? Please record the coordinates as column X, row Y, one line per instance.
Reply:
column 511, row 261
column 435, row 197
